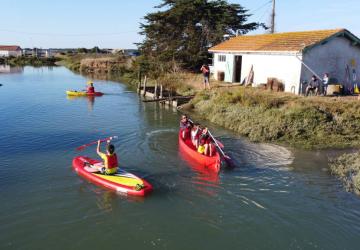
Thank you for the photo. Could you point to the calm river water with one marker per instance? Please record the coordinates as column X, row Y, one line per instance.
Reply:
column 277, row 198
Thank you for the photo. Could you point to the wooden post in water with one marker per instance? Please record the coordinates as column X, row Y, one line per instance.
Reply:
column 139, row 83
column 155, row 90
column 145, row 80
column 161, row 91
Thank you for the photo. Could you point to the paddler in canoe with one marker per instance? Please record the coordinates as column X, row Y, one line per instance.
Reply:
column 200, row 137
column 195, row 134
column 185, row 126
column 205, row 143
column 109, row 165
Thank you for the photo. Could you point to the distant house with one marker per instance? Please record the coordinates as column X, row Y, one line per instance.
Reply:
column 291, row 57
column 36, row 52
column 12, row 50
column 127, row 52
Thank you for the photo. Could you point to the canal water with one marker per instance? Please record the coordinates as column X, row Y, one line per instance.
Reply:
column 277, row 198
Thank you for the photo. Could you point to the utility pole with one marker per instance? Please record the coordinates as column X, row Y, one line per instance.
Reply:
column 272, row 28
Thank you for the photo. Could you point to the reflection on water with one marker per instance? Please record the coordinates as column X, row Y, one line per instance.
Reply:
column 10, row 69
column 90, row 100
column 204, row 175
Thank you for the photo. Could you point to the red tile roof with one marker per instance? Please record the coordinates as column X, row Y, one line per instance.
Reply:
column 281, row 42
column 9, row 47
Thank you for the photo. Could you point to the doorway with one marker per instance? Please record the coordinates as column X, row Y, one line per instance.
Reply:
column 238, row 64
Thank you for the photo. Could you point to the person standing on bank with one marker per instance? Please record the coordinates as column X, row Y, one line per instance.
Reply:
column 325, row 83
column 206, row 73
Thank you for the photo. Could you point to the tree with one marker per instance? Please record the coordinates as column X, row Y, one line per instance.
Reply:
column 183, row 30
column 82, row 50
column 96, row 49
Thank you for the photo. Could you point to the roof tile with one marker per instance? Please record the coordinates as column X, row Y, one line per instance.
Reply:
column 289, row 41
column 9, row 47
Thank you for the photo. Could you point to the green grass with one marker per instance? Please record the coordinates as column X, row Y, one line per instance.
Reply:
column 31, row 61
column 347, row 168
column 265, row 116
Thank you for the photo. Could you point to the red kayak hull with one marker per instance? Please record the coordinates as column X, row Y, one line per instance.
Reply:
column 79, row 167
column 209, row 163
column 95, row 94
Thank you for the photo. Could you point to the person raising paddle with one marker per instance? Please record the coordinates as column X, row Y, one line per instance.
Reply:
column 110, row 162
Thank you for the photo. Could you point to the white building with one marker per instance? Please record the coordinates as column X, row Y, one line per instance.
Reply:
column 291, row 57
column 6, row 51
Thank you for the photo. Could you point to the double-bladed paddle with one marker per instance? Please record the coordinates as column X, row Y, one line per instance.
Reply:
column 82, row 147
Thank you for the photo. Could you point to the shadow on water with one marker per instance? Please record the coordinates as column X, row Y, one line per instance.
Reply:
column 104, row 198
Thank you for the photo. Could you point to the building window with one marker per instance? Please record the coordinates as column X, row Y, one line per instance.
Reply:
column 222, row 58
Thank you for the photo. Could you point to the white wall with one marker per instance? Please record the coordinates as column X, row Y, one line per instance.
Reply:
column 15, row 53
column 332, row 57
column 223, row 66
column 286, row 68
column 4, row 53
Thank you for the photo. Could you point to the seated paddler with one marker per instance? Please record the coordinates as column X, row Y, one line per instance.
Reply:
column 110, row 162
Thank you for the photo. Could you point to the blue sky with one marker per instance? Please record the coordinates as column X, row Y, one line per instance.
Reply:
column 115, row 24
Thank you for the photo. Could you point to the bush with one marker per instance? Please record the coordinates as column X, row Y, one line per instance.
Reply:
column 279, row 117
column 347, row 168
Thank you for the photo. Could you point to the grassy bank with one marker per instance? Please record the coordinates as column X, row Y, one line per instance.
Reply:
column 264, row 116
column 122, row 69
column 101, row 66
column 347, row 168
column 73, row 62
column 31, row 61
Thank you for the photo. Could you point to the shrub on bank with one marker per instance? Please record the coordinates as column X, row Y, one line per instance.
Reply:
column 31, row 61
column 261, row 115
column 347, row 168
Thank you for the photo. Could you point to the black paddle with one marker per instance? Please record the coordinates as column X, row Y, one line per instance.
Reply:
column 226, row 157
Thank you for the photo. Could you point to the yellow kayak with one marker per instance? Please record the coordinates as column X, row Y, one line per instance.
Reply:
column 82, row 93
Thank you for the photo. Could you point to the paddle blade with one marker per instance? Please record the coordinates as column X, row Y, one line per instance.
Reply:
column 219, row 143
column 81, row 148
column 229, row 162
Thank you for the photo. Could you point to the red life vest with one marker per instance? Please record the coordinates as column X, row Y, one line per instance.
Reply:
column 112, row 161
column 204, row 139
column 91, row 90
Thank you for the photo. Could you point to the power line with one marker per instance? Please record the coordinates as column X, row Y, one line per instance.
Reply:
column 261, row 6
column 67, row 35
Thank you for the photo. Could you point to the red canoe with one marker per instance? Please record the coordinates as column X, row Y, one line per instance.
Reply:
column 211, row 163
column 122, row 182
